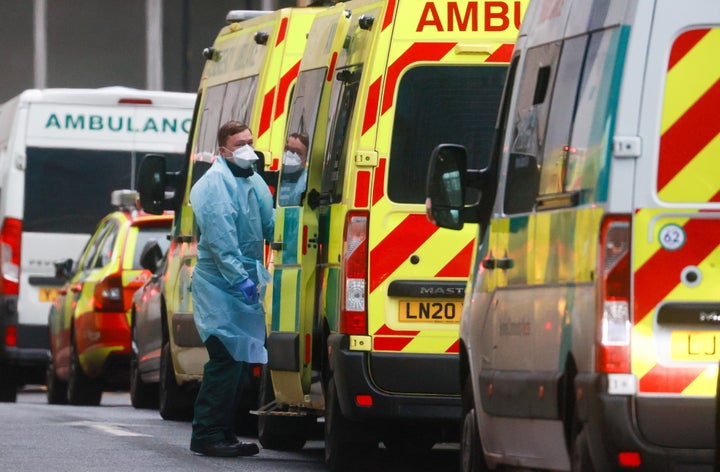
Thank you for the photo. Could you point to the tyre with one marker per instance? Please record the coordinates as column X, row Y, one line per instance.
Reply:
column 56, row 388
column 347, row 444
column 472, row 457
column 142, row 395
column 8, row 384
column 81, row 389
column 580, row 460
column 175, row 404
column 282, row 433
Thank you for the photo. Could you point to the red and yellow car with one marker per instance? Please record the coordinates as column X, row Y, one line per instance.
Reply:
column 88, row 321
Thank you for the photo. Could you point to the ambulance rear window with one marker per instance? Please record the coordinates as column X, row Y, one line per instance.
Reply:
column 83, row 179
column 436, row 105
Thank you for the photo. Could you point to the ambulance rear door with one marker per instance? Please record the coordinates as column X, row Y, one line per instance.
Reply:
column 676, row 228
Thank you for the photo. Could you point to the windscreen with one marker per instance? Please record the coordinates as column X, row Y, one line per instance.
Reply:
column 68, row 190
column 437, row 105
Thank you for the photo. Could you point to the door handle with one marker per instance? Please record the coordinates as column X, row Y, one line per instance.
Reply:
column 504, row 263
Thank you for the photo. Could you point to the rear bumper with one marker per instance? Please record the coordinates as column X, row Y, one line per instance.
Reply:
column 103, row 343
column 31, row 354
column 669, row 433
column 353, row 378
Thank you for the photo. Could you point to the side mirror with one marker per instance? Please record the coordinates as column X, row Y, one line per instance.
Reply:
column 445, row 188
column 63, row 269
column 151, row 255
column 155, row 185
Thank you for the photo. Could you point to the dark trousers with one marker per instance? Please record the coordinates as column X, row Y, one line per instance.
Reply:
column 217, row 400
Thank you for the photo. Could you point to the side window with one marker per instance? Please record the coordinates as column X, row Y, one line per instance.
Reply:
column 209, row 123
column 89, row 254
column 591, row 137
column 301, row 128
column 143, row 235
column 529, row 123
column 107, row 247
column 436, row 105
column 556, row 148
column 343, row 95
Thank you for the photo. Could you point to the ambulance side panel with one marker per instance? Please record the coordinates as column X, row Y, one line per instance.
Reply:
column 591, row 323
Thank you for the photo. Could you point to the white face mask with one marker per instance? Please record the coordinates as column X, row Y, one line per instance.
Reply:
column 244, row 156
column 291, row 162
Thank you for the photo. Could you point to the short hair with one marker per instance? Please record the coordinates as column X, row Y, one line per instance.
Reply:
column 228, row 129
column 302, row 137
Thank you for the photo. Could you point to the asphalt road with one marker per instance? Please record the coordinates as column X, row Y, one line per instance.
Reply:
column 116, row 437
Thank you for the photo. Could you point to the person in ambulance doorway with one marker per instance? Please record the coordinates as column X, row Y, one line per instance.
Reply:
column 234, row 212
column 294, row 169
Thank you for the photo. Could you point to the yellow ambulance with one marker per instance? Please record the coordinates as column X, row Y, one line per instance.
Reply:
column 589, row 338
column 367, row 294
column 248, row 76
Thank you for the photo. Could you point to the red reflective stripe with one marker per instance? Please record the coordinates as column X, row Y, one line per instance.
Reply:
column 658, row 276
column 266, row 113
column 379, row 183
column 502, row 54
column 371, row 105
column 684, row 43
column 283, row 87
column 676, row 150
column 282, row 32
column 362, row 189
column 388, row 331
column 397, row 247
column 669, row 380
column 459, row 266
column 415, row 53
column 331, row 67
column 389, row 14
column 454, row 349
column 388, row 339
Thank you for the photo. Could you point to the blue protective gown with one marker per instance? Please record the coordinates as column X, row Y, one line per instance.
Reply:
column 235, row 215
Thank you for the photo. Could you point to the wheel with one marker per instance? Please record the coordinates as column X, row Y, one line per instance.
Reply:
column 347, row 444
column 580, row 460
column 142, row 395
column 175, row 403
column 282, row 433
column 472, row 457
column 56, row 388
column 8, row 384
column 81, row 389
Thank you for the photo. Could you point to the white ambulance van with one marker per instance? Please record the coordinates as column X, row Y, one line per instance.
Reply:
column 62, row 152
column 590, row 331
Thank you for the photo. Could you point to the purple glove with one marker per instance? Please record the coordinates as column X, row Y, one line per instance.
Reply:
column 249, row 290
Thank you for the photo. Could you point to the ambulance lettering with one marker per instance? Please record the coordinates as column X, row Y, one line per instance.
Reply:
column 116, row 124
column 496, row 16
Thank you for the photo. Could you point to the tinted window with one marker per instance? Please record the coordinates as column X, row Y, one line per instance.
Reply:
column 68, row 190
column 436, row 105
column 302, row 119
column 146, row 234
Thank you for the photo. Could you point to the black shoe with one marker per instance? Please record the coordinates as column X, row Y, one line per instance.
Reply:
column 226, row 449
column 248, row 448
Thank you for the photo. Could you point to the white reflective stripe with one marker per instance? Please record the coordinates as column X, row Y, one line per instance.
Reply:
column 110, row 428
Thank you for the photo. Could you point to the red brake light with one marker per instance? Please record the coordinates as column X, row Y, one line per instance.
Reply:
column 10, row 238
column 135, row 101
column 614, row 317
column 353, row 317
column 11, row 336
column 109, row 294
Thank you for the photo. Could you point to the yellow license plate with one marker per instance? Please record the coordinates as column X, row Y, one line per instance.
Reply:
column 429, row 311
column 47, row 294
column 695, row 345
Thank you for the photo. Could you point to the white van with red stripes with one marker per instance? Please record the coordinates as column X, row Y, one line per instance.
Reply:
column 590, row 332
column 367, row 294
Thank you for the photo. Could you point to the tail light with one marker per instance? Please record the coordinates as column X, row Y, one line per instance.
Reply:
column 11, row 336
column 109, row 294
column 615, row 323
column 10, row 237
column 353, row 309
